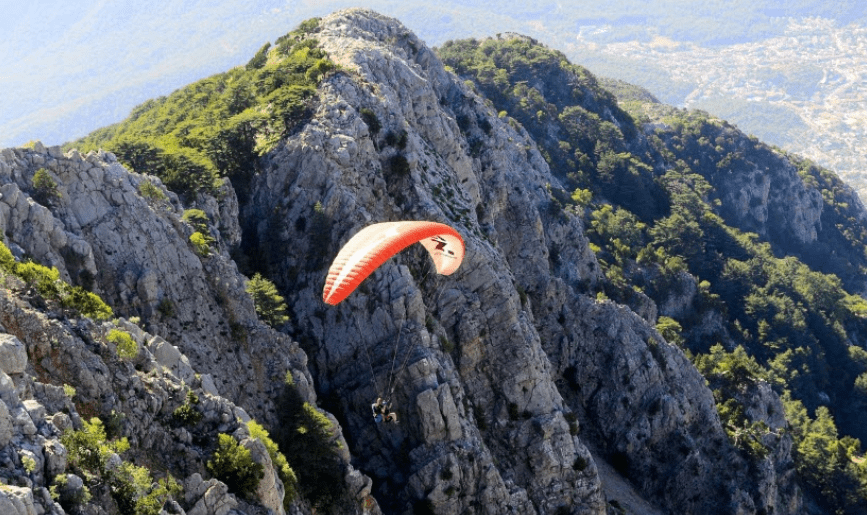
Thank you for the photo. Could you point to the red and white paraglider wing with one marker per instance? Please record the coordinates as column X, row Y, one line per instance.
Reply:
column 375, row 244
column 446, row 249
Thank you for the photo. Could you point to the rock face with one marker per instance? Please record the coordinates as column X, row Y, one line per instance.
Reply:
column 100, row 232
column 769, row 198
column 504, row 375
column 499, row 379
column 146, row 398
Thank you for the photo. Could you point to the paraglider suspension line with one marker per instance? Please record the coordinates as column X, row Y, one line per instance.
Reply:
column 369, row 362
column 392, row 377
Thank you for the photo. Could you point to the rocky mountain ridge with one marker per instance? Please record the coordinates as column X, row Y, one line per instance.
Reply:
column 505, row 374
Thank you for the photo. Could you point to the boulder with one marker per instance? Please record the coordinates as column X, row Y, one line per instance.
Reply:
column 16, row 501
column 209, row 497
column 6, row 425
column 13, row 355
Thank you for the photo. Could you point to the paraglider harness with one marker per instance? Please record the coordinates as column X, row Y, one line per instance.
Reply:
column 382, row 411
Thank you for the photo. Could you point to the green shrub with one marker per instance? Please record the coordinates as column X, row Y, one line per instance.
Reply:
column 44, row 279
column 150, row 191
column 69, row 390
column 372, row 121
column 398, row 165
column 398, row 140
column 197, row 218
column 166, row 308
column 670, row 329
column 88, row 449
column 269, row 304
column 187, row 414
column 161, row 491
column 308, row 26
column 47, row 282
column 7, row 260
column 319, row 69
column 127, row 348
column 259, row 60
column 128, row 483
column 29, row 463
column 308, row 440
column 232, row 464
column 87, row 303
column 201, row 243
column 131, row 486
column 44, row 187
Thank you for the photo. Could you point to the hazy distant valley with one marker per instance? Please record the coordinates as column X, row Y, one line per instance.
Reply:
column 803, row 91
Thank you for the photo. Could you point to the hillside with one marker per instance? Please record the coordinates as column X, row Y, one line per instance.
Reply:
column 646, row 291
column 740, row 247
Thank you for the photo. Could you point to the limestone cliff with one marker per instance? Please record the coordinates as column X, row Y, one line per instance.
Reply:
column 509, row 364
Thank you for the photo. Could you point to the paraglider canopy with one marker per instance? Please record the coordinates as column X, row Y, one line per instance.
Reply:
column 376, row 243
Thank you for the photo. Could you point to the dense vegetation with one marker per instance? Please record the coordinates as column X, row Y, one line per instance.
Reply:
column 647, row 186
column 218, row 127
column 309, row 440
column 268, row 302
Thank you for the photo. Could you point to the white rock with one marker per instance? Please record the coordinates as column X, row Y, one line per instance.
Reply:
column 55, row 458
column 35, row 409
column 22, row 421
column 208, row 385
column 213, row 497
column 270, row 491
column 432, row 423
column 170, row 357
column 16, row 500
column 6, row 425
column 8, row 393
column 13, row 355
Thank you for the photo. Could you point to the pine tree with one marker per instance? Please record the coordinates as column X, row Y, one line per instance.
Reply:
column 269, row 304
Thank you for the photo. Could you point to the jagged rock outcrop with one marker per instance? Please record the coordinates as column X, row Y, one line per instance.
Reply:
column 141, row 393
column 136, row 397
column 336, row 160
column 769, row 198
column 100, row 231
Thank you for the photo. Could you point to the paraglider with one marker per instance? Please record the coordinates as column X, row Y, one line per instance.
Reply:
column 376, row 243
column 370, row 248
